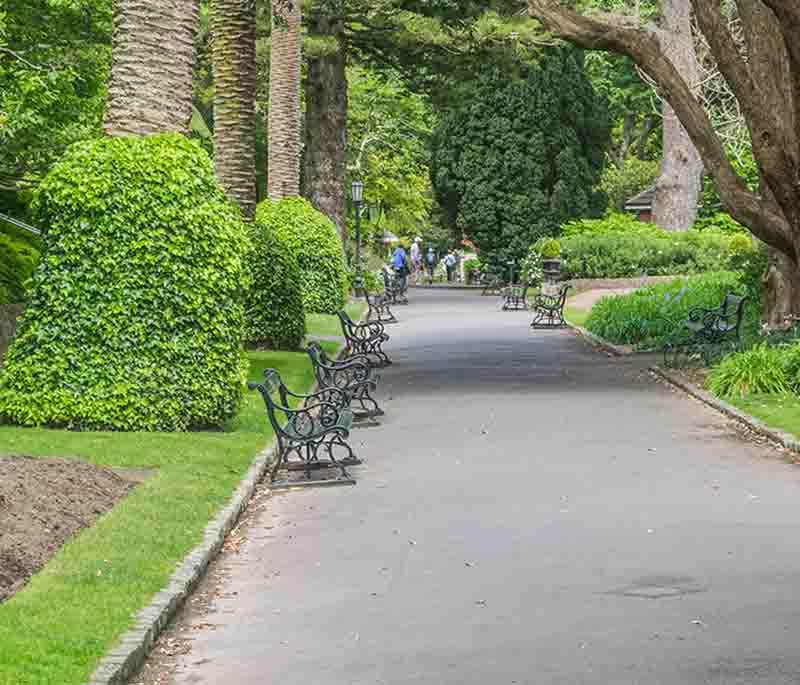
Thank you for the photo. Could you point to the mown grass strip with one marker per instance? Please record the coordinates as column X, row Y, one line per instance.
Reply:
column 328, row 326
column 58, row 628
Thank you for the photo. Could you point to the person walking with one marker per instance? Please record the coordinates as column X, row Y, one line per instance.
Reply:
column 416, row 260
column 430, row 264
column 450, row 263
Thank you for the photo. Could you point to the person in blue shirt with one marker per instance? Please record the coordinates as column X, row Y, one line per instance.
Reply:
column 400, row 261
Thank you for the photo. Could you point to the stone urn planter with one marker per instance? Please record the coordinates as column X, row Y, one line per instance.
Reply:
column 551, row 275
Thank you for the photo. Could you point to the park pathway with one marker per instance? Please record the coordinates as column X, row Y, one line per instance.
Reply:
column 531, row 512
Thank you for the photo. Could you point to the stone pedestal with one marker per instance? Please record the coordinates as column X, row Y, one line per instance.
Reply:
column 551, row 276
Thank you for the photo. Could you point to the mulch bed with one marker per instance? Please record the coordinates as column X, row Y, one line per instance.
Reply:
column 45, row 502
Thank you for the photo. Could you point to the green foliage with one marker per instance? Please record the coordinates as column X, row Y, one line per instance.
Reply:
column 521, row 156
column 135, row 320
column 275, row 317
column 549, row 248
column 471, row 268
column 652, row 316
column 389, row 130
column 791, row 364
column 619, row 246
column 52, row 82
column 719, row 221
column 18, row 258
column 761, row 370
column 635, row 176
column 313, row 239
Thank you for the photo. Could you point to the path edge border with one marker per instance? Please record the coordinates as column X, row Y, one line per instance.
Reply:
column 616, row 350
column 131, row 651
column 786, row 440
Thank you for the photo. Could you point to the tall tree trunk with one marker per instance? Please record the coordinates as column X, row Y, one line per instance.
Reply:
column 782, row 290
column 326, row 127
column 233, row 24
column 152, row 67
column 284, row 100
column 679, row 185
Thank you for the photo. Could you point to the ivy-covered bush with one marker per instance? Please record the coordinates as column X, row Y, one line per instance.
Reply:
column 313, row 239
column 648, row 318
column 135, row 320
column 18, row 258
column 275, row 317
column 620, row 246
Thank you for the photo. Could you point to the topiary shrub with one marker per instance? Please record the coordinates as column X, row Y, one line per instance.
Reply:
column 135, row 320
column 312, row 237
column 275, row 317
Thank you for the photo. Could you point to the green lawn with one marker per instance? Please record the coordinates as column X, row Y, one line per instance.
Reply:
column 328, row 325
column 782, row 412
column 55, row 631
column 576, row 316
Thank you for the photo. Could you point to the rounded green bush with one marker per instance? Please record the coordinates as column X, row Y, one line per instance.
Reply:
column 313, row 239
column 758, row 371
column 275, row 317
column 136, row 315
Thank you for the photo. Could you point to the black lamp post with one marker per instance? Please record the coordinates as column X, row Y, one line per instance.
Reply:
column 358, row 201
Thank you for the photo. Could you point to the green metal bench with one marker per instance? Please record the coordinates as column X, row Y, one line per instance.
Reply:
column 548, row 310
column 364, row 340
column 354, row 376
column 707, row 333
column 312, row 436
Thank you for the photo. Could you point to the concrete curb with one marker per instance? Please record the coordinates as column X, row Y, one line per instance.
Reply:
column 616, row 350
column 124, row 660
column 790, row 442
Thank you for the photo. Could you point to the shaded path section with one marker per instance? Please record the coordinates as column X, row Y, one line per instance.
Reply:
column 531, row 511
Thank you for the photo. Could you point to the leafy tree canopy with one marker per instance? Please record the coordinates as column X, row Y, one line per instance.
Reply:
column 523, row 156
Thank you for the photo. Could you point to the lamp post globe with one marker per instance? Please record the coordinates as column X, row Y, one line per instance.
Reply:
column 358, row 201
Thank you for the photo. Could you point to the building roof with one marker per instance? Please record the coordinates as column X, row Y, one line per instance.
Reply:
column 643, row 200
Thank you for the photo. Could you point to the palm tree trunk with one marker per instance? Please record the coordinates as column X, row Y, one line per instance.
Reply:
column 152, row 67
column 284, row 100
column 233, row 26
column 326, row 127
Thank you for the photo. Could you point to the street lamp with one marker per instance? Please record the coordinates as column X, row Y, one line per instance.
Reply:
column 358, row 201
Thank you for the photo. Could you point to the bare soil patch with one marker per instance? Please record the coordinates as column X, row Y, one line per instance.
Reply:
column 45, row 502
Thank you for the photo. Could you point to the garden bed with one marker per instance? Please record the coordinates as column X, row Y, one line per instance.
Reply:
column 44, row 503
column 74, row 610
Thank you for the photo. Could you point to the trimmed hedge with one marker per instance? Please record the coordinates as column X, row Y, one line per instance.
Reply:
column 275, row 317
column 620, row 247
column 136, row 316
column 312, row 237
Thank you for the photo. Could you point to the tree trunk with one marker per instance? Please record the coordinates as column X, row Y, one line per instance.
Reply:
column 233, row 25
column 151, row 86
column 679, row 185
column 284, row 100
column 326, row 128
column 782, row 291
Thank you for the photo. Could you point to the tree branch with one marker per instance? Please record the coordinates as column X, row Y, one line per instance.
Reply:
column 644, row 48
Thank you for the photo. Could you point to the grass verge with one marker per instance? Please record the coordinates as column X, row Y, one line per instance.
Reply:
column 575, row 316
column 328, row 326
column 56, row 630
column 777, row 411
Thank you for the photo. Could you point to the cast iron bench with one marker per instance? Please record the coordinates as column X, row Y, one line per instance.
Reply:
column 364, row 340
column 379, row 310
column 311, row 435
column 492, row 285
column 515, row 298
column 395, row 287
column 707, row 333
column 353, row 376
column 548, row 310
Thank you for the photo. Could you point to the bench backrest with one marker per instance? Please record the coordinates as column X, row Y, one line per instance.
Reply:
column 562, row 294
column 269, row 387
column 319, row 362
